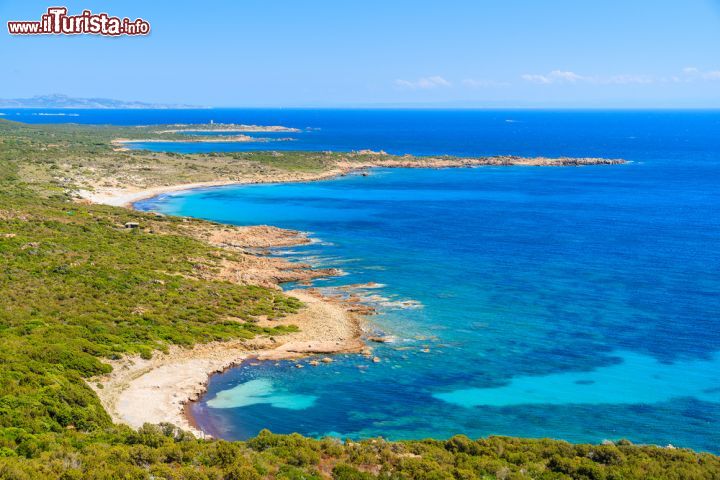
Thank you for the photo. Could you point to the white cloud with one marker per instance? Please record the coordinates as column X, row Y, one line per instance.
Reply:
column 571, row 77
column 563, row 76
column 688, row 74
column 534, row 78
column 692, row 74
column 424, row 83
column 556, row 76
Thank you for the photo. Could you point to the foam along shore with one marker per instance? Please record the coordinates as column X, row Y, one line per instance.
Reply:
column 140, row 391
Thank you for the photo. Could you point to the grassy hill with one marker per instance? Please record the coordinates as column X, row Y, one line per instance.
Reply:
column 78, row 288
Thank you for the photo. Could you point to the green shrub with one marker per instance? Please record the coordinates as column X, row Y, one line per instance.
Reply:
column 346, row 472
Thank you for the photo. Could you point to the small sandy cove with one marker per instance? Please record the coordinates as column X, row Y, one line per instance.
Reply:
column 140, row 391
column 125, row 196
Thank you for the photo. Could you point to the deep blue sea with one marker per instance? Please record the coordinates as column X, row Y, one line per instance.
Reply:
column 573, row 303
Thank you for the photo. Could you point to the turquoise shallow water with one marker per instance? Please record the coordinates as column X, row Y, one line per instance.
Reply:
column 260, row 391
column 539, row 320
column 574, row 303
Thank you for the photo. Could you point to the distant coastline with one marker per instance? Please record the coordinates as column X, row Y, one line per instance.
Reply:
column 59, row 101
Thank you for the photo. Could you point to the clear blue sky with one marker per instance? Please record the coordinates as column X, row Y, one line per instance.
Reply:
column 376, row 52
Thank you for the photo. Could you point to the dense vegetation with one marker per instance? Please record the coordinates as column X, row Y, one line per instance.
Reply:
column 163, row 452
column 76, row 287
column 66, row 155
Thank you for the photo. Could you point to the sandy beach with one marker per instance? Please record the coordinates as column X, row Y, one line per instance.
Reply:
column 123, row 196
column 140, row 391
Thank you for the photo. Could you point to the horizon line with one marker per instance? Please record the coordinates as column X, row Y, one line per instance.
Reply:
column 381, row 107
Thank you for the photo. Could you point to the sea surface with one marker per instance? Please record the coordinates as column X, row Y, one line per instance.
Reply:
column 573, row 303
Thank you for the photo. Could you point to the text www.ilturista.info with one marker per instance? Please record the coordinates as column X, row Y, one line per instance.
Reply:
column 57, row 22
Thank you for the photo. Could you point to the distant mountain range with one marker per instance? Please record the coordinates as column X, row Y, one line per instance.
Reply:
column 63, row 101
